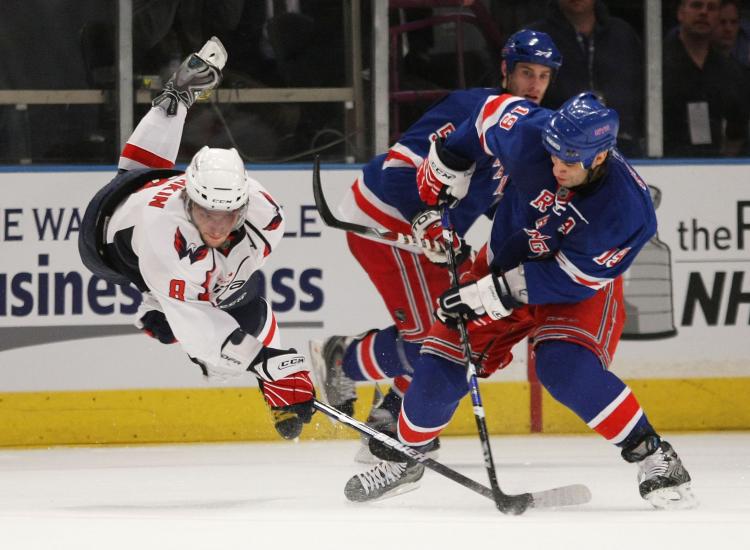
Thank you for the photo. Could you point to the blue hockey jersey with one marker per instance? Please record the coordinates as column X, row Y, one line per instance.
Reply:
column 387, row 195
column 571, row 242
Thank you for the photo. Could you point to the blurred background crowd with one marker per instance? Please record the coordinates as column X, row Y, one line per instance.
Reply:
column 61, row 72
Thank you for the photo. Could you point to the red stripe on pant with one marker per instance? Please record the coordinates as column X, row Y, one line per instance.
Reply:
column 416, row 284
column 147, row 158
column 611, row 426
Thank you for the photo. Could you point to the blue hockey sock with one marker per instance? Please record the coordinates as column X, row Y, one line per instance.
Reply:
column 379, row 355
column 576, row 378
column 435, row 391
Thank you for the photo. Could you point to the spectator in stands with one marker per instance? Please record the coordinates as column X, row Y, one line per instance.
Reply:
column 701, row 91
column 732, row 34
column 602, row 53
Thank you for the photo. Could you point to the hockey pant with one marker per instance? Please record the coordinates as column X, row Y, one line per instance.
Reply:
column 574, row 345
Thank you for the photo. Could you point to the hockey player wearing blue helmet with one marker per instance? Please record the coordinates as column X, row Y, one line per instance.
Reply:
column 410, row 280
column 573, row 216
column 529, row 62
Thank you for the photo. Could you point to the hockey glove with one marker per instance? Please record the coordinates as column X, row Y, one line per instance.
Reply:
column 199, row 73
column 426, row 226
column 155, row 324
column 291, row 402
column 443, row 177
column 485, row 300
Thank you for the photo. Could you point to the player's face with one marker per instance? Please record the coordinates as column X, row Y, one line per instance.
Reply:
column 568, row 174
column 214, row 225
column 529, row 80
column 573, row 174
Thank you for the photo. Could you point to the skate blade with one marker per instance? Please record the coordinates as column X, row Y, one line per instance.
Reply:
column 400, row 490
column 673, row 498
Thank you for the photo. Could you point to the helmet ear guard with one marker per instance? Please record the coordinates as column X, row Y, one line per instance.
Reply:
column 581, row 129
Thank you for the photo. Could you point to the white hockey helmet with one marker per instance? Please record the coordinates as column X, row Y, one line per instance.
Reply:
column 216, row 179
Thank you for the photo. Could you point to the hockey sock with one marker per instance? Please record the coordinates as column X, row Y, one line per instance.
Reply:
column 436, row 389
column 379, row 355
column 155, row 141
column 576, row 378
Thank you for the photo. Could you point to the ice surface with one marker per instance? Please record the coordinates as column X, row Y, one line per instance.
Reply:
column 287, row 495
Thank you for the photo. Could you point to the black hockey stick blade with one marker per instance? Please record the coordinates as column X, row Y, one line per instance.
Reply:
column 332, row 221
column 569, row 495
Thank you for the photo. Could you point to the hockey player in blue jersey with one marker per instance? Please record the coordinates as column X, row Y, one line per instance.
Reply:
column 409, row 279
column 572, row 219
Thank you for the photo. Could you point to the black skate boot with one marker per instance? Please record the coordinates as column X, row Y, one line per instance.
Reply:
column 662, row 479
column 196, row 76
column 336, row 388
column 385, row 479
column 383, row 418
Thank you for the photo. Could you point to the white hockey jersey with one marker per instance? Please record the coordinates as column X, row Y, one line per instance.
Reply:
column 190, row 281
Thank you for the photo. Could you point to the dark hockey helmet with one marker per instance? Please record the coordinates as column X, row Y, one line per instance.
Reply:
column 531, row 47
column 581, row 129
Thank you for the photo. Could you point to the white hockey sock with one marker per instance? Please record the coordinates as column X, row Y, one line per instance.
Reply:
column 155, row 141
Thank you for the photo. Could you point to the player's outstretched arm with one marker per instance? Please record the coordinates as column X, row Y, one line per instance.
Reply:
column 156, row 140
column 283, row 376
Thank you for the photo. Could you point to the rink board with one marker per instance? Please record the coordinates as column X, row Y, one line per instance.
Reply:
column 74, row 370
column 158, row 416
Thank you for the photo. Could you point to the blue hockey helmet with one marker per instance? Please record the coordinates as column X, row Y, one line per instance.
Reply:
column 581, row 129
column 531, row 47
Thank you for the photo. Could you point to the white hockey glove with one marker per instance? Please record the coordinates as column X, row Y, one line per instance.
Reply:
column 443, row 177
column 426, row 227
column 492, row 296
column 199, row 73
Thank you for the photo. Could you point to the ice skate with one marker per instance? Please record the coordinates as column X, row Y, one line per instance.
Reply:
column 383, row 418
column 662, row 479
column 198, row 74
column 336, row 389
column 385, row 479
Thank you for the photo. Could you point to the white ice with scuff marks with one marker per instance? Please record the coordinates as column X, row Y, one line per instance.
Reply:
column 274, row 496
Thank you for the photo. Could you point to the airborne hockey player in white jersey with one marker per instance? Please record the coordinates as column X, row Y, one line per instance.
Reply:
column 191, row 242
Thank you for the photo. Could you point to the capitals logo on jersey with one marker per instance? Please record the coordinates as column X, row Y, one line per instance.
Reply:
column 194, row 254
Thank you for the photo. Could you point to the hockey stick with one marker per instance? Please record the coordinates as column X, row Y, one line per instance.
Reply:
column 507, row 504
column 374, row 233
column 569, row 495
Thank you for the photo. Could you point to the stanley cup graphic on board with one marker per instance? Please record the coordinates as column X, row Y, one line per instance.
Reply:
column 648, row 290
